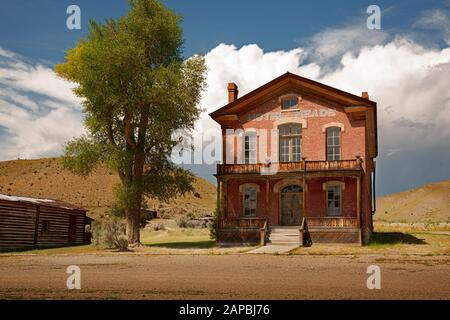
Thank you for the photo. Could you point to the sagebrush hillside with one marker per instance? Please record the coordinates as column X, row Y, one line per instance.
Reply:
column 427, row 203
column 45, row 178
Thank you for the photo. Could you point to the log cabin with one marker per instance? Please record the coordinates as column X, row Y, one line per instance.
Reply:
column 298, row 164
column 29, row 222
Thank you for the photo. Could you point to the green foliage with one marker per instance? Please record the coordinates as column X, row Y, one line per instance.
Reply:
column 82, row 155
column 109, row 233
column 137, row 93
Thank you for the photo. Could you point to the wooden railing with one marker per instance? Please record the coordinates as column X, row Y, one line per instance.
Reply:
column 332, row 222
column 290, row 166
column 263, row 233
column 244, row 223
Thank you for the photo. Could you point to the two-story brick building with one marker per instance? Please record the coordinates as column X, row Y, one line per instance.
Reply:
column 296, row 153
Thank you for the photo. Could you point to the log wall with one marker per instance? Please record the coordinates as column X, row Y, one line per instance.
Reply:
column 21, row 225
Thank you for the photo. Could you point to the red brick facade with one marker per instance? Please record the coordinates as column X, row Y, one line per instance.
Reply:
column 319, row 107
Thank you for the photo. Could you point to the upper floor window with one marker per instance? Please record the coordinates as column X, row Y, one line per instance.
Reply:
column 289, row 103
column 250, row 148
column 333, row 143
column 290, row 142
column 334, row 199
column 249, row 193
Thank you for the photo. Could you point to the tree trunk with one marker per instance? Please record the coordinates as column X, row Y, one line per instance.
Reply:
column 133, row 225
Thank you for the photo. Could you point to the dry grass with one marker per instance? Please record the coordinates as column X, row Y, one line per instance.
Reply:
column 426, row 204
column 45, row 178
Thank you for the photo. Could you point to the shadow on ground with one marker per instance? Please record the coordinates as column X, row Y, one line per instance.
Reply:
column 185, row 245
column 394, row 238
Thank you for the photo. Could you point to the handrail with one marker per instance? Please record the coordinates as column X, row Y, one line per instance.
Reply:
column 245, row 223
column 333, row 222
column 264, row 233
column 353, row 164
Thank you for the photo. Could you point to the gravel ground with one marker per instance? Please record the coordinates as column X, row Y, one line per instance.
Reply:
column 228, row 276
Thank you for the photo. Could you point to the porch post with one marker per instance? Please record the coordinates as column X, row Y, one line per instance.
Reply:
column 223, row 203
column 218, row 204
column 304, row 186
column 267, row 199
column 358, row 200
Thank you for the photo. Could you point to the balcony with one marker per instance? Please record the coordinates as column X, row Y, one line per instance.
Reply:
column 289, row 167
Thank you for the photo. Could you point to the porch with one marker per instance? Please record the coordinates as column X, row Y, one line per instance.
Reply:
column 311, row 230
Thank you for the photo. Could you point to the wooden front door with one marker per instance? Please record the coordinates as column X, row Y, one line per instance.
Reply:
column 291, row 206
column 72, row 228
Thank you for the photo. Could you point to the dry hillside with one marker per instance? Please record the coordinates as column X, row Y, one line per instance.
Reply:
column 428, row 203
column 45, row 178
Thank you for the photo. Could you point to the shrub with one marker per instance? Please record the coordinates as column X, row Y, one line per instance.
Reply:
column 109, row 233
column 182, row 221
column 121, row 242
column 156, row 226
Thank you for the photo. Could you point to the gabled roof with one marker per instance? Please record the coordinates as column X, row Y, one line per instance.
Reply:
column 352, row 103
column 42, row 202
column 290, row 79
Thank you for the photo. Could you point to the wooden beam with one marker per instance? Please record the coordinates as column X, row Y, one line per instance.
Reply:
column 358, row 200
column 223, row 200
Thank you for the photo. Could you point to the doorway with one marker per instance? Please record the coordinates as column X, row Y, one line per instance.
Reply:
column 72, row 228
column 291, row 206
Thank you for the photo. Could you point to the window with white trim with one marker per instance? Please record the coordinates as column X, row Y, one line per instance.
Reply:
column 333, row 143
column 250, row 148
column 289, row 103
column 334, row 200
column 290, row 136
column 249, row 194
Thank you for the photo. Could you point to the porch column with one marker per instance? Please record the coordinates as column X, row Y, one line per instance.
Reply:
column 358, row 200
column 218, row 204
column 267, row 199
column 304, row 187
column 223, row 199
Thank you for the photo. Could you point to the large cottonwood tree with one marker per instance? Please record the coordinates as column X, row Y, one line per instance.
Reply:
column 136, row 91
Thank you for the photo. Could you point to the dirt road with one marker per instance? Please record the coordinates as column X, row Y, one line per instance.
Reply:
column 233, row 276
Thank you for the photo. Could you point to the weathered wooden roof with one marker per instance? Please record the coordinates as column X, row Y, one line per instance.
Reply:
column 43, row 202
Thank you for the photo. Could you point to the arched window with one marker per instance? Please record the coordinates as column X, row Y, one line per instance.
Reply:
column 333, row 143
column 290, row 136
column 249, row 201
column 292, row 189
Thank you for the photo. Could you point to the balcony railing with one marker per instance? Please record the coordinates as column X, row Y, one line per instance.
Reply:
column 306, row 166
column 243, row 223
column 332, row 222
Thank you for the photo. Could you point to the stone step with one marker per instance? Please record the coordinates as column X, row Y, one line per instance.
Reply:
column 284, row 236
column 285, row 233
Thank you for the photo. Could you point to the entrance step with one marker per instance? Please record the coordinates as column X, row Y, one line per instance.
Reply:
column 284, row 235
column 281, row 240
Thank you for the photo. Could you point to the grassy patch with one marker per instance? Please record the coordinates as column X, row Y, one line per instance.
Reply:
column 177, row 238
column 393, row 238
column 59, row 250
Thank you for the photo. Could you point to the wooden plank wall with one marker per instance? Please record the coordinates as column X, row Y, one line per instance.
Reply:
column 18, row 224
column 59, row 226
column 17, row 221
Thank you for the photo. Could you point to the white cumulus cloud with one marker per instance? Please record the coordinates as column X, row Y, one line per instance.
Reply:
column 38, row 110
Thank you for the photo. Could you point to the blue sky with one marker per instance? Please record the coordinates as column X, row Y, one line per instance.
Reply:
column 404, row 66
column 36, row 29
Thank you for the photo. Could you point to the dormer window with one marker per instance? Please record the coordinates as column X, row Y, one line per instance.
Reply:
column 289, row 103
